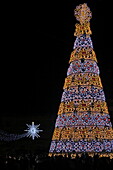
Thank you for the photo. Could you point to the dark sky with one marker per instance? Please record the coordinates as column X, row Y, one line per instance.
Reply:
column 36, row 42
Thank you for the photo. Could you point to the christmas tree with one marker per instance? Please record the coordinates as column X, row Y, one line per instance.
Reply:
column 83, row 122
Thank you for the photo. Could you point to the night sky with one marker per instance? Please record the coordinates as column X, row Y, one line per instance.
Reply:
column 36, row 42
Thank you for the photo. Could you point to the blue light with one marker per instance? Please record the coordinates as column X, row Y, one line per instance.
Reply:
column 33, row 131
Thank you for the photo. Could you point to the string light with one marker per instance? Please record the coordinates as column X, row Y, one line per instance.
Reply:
column 32, row 131
column 4, row 136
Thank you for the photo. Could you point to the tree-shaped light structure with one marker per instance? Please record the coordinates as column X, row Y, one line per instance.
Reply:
column 83, row 122
column 33, row 131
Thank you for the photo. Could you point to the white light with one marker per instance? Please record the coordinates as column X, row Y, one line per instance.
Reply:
column 33, row 130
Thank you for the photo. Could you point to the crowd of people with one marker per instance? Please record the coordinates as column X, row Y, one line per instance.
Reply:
column 44, row 162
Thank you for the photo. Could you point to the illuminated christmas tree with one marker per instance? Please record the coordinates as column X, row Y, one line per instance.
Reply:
column 83, row 121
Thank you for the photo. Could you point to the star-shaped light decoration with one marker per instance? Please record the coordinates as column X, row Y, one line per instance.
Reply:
column 33, row 131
